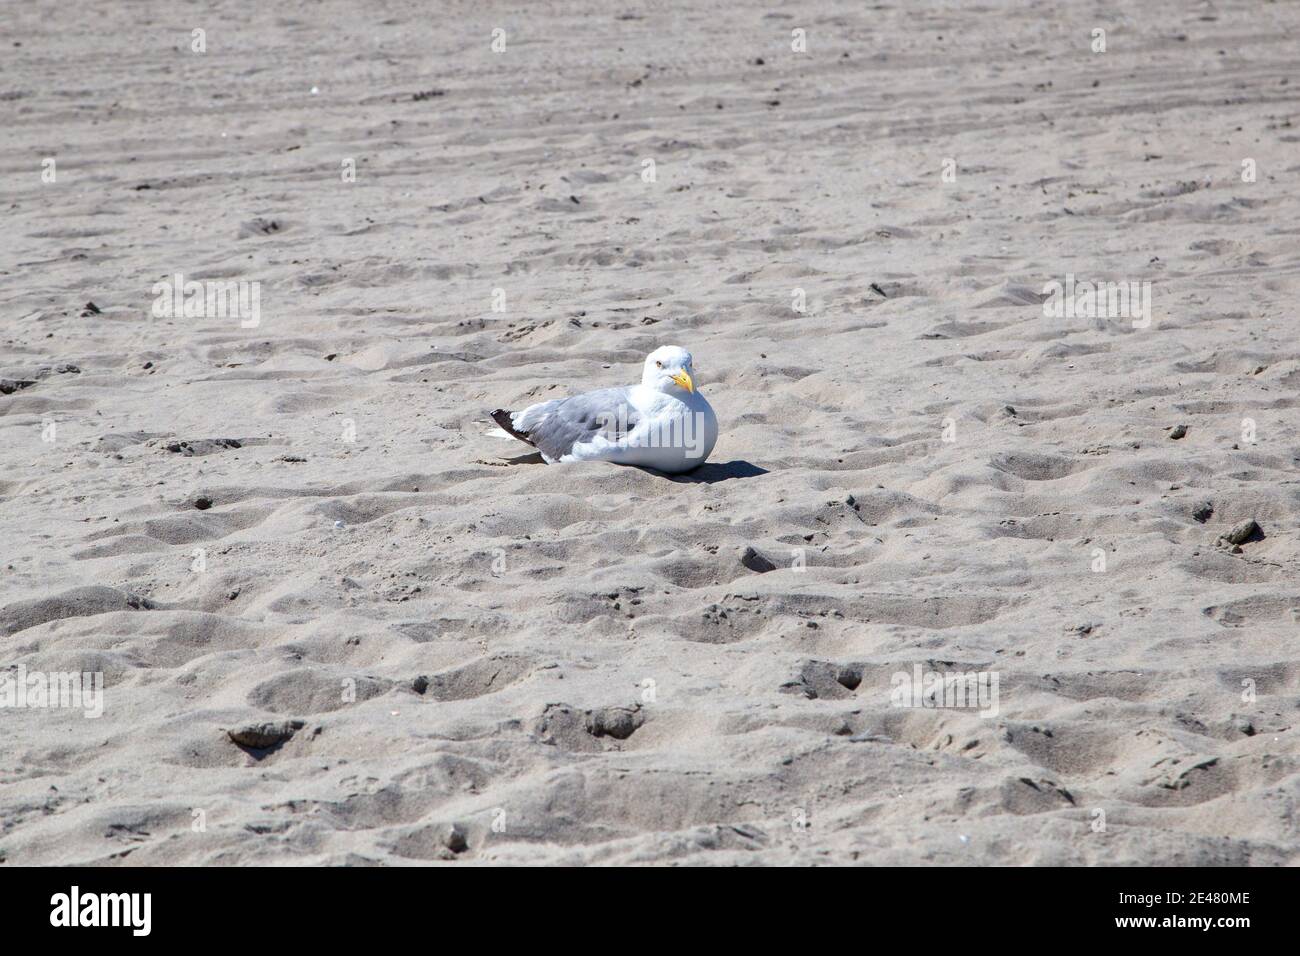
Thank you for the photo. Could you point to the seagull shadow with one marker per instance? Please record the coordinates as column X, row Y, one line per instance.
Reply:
column 707, row 474
column 532, row 459
column 711, row 473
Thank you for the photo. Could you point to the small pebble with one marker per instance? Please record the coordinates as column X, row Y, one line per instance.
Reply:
column 751, row 559
column 265, row 734
column 455, row 839
column 1242, row 532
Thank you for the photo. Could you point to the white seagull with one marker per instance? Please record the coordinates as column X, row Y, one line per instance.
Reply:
column 663, row 423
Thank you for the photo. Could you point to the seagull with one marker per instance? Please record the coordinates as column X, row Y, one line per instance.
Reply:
column 663, row 423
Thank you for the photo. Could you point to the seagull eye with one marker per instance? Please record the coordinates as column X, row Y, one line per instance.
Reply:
column 660, row 364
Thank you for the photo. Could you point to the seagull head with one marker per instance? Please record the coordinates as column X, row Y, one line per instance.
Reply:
column 668, row 369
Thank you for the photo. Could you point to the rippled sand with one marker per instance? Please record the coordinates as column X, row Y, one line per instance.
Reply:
column 302, row 533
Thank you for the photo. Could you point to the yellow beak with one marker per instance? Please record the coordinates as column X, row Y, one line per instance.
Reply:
column 684, row 380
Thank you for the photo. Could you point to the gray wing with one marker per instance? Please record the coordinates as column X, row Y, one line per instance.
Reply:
column 573, row 421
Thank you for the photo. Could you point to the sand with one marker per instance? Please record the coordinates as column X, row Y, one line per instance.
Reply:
column 339, row 622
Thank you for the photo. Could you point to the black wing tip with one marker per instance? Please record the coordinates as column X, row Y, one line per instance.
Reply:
column 503, row 417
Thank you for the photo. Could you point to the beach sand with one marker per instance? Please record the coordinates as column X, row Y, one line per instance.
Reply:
column 338, row 621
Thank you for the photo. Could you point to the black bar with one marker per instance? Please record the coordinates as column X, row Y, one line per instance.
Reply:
column 333, row 905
